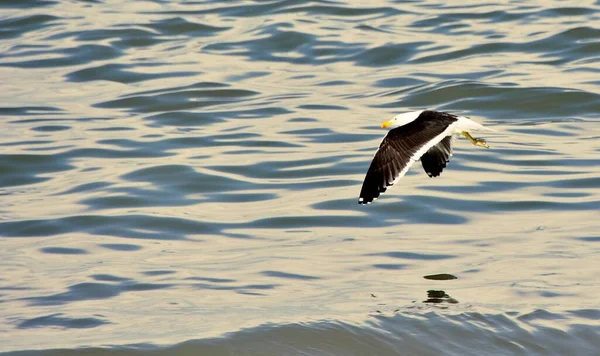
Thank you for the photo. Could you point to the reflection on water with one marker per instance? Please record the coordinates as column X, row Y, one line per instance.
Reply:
column 440, row 277
column 439, row 296
column 196, row 165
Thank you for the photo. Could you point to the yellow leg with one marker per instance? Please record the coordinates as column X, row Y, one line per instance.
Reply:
column 476, row 141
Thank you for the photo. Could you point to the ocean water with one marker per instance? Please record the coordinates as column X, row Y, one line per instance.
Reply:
column 181, row 178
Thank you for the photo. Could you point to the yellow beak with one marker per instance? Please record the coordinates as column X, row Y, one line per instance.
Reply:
column 386, row 124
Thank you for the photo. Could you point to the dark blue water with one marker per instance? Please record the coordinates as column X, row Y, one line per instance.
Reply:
column 182, row 178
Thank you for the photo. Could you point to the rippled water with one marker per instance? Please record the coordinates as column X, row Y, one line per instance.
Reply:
column 182, row 178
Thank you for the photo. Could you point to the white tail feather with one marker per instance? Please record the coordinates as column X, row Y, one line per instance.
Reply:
column 465, row 124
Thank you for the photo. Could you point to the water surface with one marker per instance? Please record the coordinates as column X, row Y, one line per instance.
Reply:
column 182, row 178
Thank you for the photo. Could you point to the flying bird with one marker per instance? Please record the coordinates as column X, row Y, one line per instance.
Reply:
column 425, row 135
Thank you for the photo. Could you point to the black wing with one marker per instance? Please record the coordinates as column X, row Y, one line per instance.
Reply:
column 435, row 159
column 398, row 149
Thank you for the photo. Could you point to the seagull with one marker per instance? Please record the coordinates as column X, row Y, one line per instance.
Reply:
column 426, row 135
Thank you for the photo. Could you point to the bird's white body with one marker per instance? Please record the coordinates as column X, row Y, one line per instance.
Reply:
column 463, row 123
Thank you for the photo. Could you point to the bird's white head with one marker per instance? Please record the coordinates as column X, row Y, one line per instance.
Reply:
column 402, row 119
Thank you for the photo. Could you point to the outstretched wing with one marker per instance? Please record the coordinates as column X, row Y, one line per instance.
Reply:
column 435, row 159
column 400, row 148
